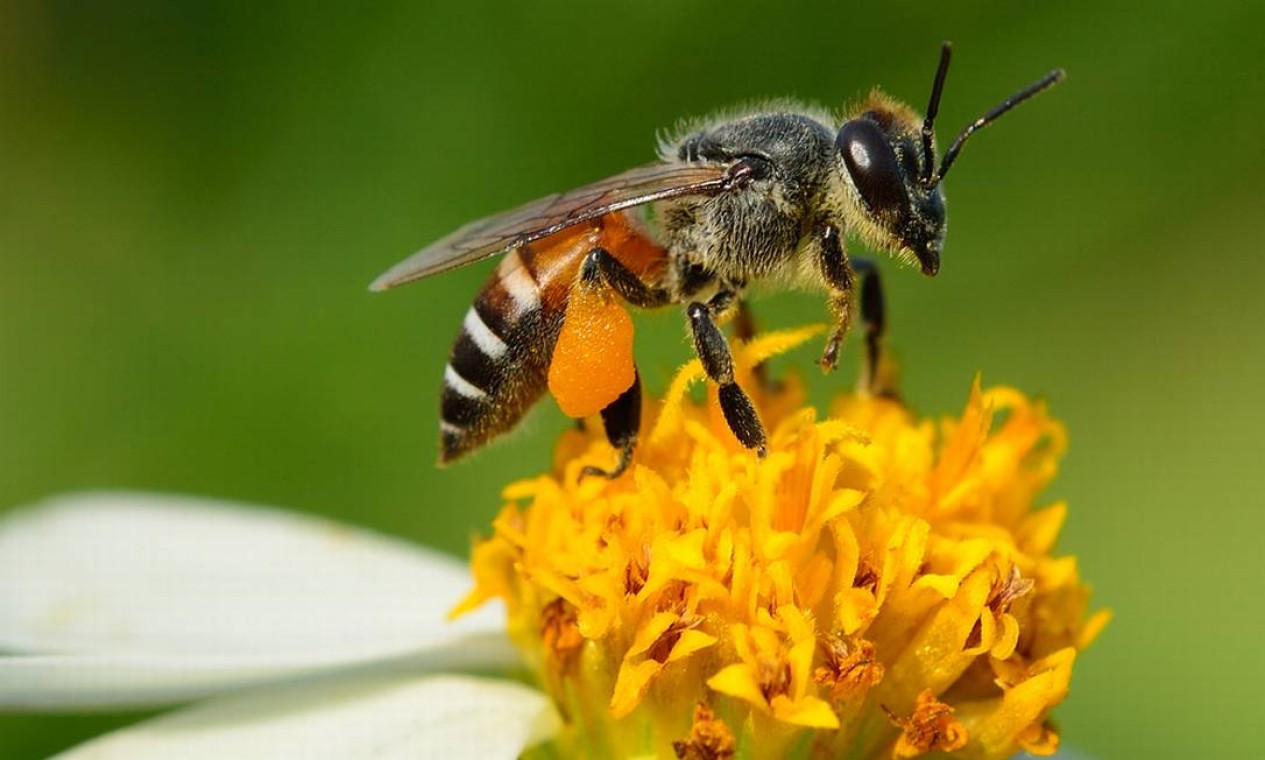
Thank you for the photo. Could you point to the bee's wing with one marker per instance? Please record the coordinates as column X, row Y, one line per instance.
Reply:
column 546, row 216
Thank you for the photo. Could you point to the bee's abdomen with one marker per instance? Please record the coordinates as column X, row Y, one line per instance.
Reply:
column 499, row 363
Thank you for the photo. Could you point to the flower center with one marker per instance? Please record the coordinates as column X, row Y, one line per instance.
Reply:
column 876, row 585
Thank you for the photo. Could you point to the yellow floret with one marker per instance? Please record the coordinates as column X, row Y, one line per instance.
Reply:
column 879, row 585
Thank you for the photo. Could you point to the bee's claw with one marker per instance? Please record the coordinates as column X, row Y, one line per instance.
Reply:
column 830, row 356
column 625, row 458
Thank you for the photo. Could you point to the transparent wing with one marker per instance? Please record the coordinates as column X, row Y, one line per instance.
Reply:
column 546, row 216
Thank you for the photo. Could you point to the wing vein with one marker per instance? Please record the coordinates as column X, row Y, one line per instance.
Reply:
column 541, row 218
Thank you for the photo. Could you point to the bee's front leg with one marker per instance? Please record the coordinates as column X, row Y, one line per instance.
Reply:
column 874, row 320
column 718, row 363
column 840, row 280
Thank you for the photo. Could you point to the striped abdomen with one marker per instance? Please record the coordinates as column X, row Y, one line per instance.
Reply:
column 499, row 363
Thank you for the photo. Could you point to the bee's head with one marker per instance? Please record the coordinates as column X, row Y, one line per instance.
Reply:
column 885, row 164
column 889, row 160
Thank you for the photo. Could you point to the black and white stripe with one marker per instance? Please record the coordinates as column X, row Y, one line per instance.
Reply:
column 520, row 283
column 484, row 338
column 496, row 368
column 473, row 374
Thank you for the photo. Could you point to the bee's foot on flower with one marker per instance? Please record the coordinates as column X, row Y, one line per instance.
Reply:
column 621, row 466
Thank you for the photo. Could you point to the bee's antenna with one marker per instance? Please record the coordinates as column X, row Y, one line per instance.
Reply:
column 1044, row 83
column 928, row 124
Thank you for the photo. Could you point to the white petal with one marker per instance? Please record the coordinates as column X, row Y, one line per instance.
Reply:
column 146, row 600
column 109, row 681
column 124, row 573
column 384, row 716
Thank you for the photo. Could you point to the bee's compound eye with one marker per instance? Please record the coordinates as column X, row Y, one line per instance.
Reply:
column 871, row 162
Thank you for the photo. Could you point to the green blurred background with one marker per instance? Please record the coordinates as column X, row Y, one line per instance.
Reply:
column 194, row 196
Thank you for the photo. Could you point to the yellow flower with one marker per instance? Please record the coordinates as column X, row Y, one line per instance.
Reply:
column 877, row 586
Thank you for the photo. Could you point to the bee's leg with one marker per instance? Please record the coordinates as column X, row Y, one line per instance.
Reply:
column 622, row 419
column 600, row 265
column 745, row 330
column 841, row 282
column 874, row 320
column 744, row 322
column 718, row 363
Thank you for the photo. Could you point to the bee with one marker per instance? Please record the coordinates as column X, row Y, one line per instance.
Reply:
column 766, row 196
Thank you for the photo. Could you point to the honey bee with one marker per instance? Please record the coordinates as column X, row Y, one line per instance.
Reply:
column 768, row 195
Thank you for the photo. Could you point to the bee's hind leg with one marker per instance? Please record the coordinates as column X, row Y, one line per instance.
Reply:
column 718, row 363
column 622, row 420
column 622, row 417
column 600, row 265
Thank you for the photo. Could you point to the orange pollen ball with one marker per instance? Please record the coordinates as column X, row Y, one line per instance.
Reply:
column 593, row 360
